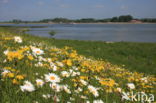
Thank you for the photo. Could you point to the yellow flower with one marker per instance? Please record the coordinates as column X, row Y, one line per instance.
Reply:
column 8, row 68
column 73, row 55
column 13, row 70
column 86, row 92
column 83, row 70
column 75, row 85
column 30, row 57
column 107, row 82
column 10, row 75
column 68, row 62
column 84, row 77
column 14, row 81
column 109, row 90
column 15, row 54
column 20, row 77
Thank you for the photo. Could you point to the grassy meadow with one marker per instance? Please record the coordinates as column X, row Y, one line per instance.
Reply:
column 140, row 57
column 45, row 70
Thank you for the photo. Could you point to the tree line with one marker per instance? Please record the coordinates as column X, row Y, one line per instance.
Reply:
column 122, row 18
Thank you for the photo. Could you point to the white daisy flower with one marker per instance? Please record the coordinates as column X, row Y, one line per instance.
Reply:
column 83, row 82
column 93, row 90
column 18, row 39
column 28, row 86
column 4, row 61
column 65, row 74
column 131, row 85
column 51, row 77
column 39, row 82
column 83, row 97
column 65, row 87
column 46, row 96
column 98, row 101
column 75, row 73
column 72, row 99
column 78, row 90
column 6, row 52
column 119, row 90
column 49, row 59
column 37, row 51
column 59, row 63
column 87, row 102
column 145, row 79
column 5, row 72
column 53, row 66
column 55, row 87
column 39, row 64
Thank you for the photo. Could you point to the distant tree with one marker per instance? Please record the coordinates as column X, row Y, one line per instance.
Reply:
column 103, row 20
column 86, row 20
column 16, row 21
column 114, row 19
column 61, row 20
column 151, row 20
column 125, row 18
column 45, row 20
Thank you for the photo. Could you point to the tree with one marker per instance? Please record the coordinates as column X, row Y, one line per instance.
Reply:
column 125, row 18
column 114, row 19
column 86, row 20
column 61, row 20
column 16, row 21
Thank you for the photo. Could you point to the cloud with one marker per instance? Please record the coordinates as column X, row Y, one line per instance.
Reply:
column 99, row 6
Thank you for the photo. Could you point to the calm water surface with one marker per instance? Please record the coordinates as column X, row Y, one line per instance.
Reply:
column 97, row 32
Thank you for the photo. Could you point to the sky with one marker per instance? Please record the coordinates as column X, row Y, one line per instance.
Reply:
column 75, row 9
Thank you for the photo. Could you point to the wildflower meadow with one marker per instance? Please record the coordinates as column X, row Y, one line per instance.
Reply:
column 35, row 72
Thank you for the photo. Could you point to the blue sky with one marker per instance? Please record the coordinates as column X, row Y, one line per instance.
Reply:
column 74, row 9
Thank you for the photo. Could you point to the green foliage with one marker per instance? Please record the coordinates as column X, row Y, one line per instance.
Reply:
column 122, row 18
column 61, row 20
column 86, row 20
column 52, row 32
column 151, row 20
column 125, row 18
column 114, row 19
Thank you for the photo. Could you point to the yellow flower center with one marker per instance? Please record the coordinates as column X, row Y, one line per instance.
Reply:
column 38, row 52
column 52, row 78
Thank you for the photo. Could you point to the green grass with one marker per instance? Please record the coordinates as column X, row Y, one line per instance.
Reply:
column 140, row 57
column 135, row 56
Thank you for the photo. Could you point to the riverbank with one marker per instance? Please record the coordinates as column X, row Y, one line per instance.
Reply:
column 133, row 56
column 44, row 70
column 86, row 23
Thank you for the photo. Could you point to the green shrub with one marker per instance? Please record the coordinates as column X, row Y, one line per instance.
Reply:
column 52, row 33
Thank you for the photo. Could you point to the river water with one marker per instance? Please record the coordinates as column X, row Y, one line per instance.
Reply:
column 96, row 32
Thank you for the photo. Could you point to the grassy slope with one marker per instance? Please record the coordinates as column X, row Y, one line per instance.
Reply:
column 12, row 94
column 139, row 57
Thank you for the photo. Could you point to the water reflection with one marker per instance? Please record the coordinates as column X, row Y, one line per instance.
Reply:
column 102, row 32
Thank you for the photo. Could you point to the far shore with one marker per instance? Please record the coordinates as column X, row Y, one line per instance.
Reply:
column 84, row 23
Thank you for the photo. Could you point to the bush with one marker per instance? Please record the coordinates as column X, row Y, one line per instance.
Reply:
column 52, row 33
